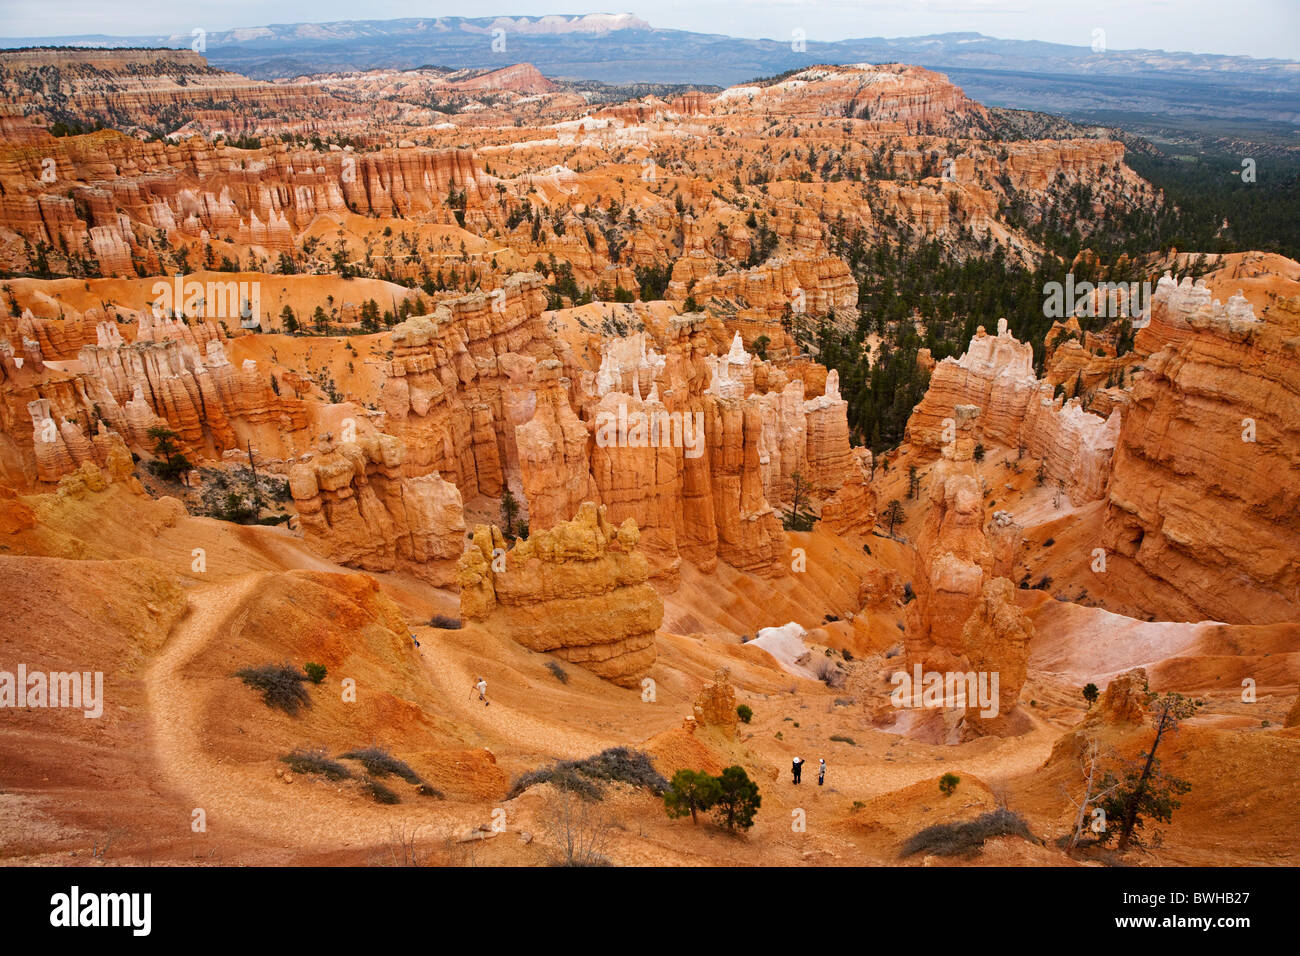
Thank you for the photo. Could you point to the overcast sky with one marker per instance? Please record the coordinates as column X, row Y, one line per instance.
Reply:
column 1249, row 27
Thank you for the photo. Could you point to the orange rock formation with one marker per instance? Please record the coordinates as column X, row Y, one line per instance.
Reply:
column 578, row 589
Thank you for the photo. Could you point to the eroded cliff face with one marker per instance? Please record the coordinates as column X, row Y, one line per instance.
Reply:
column 892, row 97
column 450, row 394
column 1017, row 410
column 174, row 376
column 482, row 394
column 48, row 421
column 701, row 450
column 106, row 196
column 1206, row 488
column 811, row 282
column 578, row 590
column 357, row 508
column 145, row 88
column 952, row 553
column 964, row 618
column 736, row 438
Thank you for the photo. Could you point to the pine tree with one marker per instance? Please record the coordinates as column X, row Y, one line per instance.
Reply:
column 509, row 512
column 738, row 801
column 690, row 792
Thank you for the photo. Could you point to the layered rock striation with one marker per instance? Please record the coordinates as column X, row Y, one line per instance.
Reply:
column 357, row 508
column 1205, row 494
column 1018, row 411
column 578, row 590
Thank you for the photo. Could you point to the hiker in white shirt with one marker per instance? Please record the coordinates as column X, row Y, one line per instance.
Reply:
column 481, row 687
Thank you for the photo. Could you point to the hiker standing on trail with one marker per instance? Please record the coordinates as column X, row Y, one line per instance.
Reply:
column 415, row 640
column 481, row 687
column 797, row 768
column 821, row 772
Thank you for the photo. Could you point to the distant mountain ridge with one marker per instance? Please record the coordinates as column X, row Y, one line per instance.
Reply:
column 621, row 48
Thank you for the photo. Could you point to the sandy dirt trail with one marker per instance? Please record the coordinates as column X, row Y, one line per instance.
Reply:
column 502, row 720
column 230, row 795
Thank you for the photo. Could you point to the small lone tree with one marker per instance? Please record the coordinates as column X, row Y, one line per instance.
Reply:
column 1096, row 788
column 690, row 792
column 738, row 801
column 798, row 518
column 913, row 482
column 509, row 512
column 1040, row 475
column 895, row 515
column 165, row 447
column 1150, row 792
column 948, row 783
column 978, row 453
column 1090, row 694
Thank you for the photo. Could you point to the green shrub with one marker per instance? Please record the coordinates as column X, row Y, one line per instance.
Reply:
column 745, row 713
column 315, row 672
column 281, row 686
column 844, row 740
column 948, row 783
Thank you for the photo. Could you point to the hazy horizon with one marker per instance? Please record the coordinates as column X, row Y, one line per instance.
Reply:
column 1255, row 28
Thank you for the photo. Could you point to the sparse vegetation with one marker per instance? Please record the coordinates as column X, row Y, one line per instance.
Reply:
column 745, row 713
column 1148, row 793
column 378, row 792
column 948, row 783
column 895, row 515
column 280, row 684
column 579, row 828
column 1090, row 694
column 316, row 761
column 445, row 622
column 380, row 763
column 588, row 777
column 798, row 518
column 170, row 463
column 956, row 839
column 829, row 673
column 560, row 673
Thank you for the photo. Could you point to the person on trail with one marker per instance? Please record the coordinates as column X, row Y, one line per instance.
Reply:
column 415, row 640
column 481, row 687
column 821, row 772
column 797, row 768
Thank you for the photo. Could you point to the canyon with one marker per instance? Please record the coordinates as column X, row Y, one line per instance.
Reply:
column 435, row 377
